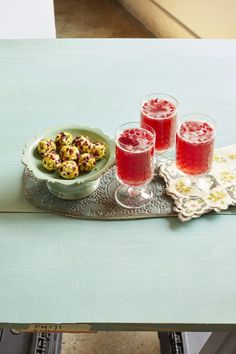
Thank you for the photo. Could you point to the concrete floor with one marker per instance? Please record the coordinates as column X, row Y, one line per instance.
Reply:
column 111, row 343
column 96, row 19
column 102, row 19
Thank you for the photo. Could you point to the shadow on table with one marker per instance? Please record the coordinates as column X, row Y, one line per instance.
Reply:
column 175, row 223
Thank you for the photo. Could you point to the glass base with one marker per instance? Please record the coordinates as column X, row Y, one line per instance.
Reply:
column 133, row 197
column 193, row 187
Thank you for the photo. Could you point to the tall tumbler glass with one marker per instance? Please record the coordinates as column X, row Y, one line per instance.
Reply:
column 134, row 164
column 195, row 137
column 159, row 110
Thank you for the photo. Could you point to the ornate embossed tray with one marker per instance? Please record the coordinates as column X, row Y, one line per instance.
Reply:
column 101, row 203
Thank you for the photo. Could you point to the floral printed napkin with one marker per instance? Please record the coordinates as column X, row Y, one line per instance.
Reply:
column 222, row 180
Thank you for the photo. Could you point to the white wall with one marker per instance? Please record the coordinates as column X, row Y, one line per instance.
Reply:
column 186, row 18
column 27, row 19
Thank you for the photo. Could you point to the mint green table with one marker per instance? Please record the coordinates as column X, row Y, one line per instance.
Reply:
column 152, row 274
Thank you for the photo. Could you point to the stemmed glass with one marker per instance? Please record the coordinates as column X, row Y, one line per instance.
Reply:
column 159, row 110
column 195, row 138
column 134, row 164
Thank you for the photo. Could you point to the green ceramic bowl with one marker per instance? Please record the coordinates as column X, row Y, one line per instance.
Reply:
column 85, row 183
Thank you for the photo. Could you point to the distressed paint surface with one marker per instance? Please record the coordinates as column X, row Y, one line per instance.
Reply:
column 51, row 82
column 58, row 270
column 135, row 273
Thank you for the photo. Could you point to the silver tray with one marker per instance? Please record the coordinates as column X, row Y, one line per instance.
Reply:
column 101, row 203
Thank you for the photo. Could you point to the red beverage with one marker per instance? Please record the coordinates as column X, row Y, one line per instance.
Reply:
column 134, row 156
column 160, row 114
column 194, row 147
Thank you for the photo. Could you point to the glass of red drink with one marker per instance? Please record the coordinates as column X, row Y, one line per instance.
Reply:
column 195, row 138
column 159, row 111
column 135, row 147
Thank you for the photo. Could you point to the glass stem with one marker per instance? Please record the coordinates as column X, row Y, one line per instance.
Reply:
column 134, row 191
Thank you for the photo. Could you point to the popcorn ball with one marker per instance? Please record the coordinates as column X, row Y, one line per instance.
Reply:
column 51, row 161
column 82, row 143
column 69, row 153
column 45, row 146
column 86, row 162
column 98, row 150
column 68, row 170
column 63, row 139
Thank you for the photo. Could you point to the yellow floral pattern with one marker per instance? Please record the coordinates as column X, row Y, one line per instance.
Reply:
column 182, row 188
column 232, row 156
column 227, row 176
column 217, row 196
column 219, row 159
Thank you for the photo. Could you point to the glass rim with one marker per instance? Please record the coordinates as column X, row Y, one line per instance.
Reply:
column 182, row 119
column 119, row 130
column 144, row 99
